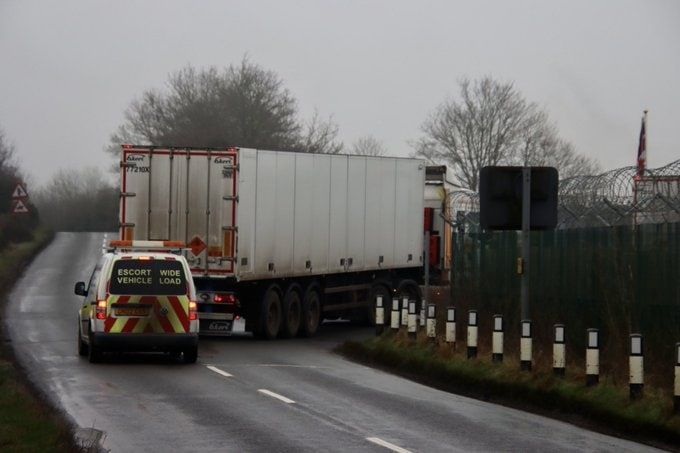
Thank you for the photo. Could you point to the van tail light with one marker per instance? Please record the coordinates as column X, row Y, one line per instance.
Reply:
column 101, row 309
column 225, row 298
column 193, row 312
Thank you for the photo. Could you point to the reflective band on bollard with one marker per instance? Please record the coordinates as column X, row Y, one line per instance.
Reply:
column 451, row 325
column 412, row 319
column 394, row 324
column 379, row 315
column 592, row 357
column 404, row 311
column 636, row 366
column 472, row 334
column 559, row 351
column 497, row 339
column 431, row 321
column 525, row 346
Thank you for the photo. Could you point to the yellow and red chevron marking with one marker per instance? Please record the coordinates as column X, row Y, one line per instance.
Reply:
column 168, row 314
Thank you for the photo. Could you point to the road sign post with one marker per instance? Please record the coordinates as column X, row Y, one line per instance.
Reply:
column 526, row 245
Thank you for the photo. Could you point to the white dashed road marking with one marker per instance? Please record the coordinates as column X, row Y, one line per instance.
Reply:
column 277, row 396
column 218, row 371
column 384, row 443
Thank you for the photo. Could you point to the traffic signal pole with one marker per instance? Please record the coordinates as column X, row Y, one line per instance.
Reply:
column 526, row 245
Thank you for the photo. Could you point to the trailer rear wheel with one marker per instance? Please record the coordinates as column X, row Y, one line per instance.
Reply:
column 410, row 289
column 311, row 312
column 292, row 312
column 270, row 313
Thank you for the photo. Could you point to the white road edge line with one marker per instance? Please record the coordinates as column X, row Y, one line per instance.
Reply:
column 276, row 395
column 218, row 371
column 384, row 443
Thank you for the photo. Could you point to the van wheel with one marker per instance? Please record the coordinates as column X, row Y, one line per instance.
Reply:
column 82, row 346
column 292, row 312
column 270, row 313
column 311, row 312
column 190, row 355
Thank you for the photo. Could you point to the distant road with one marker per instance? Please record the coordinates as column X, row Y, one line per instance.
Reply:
column 247, row 395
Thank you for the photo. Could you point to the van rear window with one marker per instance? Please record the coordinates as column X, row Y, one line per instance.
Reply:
column 148, row 277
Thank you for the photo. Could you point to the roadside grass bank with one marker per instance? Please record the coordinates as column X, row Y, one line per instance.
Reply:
column 605, row 408
column 27, row 421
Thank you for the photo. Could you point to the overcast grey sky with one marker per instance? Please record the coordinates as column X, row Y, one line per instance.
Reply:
column 70, row 68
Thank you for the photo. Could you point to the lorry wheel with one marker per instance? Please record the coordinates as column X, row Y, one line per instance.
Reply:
column 82, row 346
column 292, row 312
column 270, row 313
column 311, row 312
column 190, row 355
column 411, row 289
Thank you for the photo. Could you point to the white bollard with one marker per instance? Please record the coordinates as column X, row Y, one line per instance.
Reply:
column 636, row 365
column 497, row 339
column 404, row 311
column 379, row 315
column 412, row 319
column 431, row 326
column 472, row 334
column 451, row 325
column 559, row 351
column 395, row 315
column 525, row 346
column 422, row 313
column 593, row 357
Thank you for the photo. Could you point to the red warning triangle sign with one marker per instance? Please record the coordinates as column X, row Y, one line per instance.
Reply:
column 19, row 192
column 20, row 207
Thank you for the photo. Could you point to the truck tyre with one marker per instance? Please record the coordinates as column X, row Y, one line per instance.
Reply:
column 82, row 346
column 410, row 289
column 292, row 312
column 270, row 313
column 379, row 288
column 311, row 311
column 189, row 355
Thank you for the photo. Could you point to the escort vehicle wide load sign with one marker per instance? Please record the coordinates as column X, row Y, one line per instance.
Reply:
column 256, row 214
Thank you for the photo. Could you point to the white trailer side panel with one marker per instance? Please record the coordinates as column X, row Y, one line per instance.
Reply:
column 304, row 213
column 337, row 240
column 321, row 213
column 356, row 211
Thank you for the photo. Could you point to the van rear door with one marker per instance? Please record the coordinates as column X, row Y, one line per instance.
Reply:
column 147, row 295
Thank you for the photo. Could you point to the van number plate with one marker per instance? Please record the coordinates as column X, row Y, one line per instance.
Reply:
column 137, row 311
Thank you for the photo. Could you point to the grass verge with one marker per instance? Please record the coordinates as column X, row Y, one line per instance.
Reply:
column 27, row 421
column 605, row 408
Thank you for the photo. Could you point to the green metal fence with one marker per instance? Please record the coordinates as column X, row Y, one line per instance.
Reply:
column 621, row 279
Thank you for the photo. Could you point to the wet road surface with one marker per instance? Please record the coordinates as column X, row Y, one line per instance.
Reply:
column 247, row 395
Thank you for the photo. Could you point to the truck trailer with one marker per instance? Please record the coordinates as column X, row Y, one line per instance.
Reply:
column 277, row 240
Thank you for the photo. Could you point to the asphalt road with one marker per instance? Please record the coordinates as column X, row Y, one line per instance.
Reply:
column 247, row 395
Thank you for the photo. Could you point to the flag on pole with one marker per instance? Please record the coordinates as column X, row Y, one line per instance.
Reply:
column 642, row 148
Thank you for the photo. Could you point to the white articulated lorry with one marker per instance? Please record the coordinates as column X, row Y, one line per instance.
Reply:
column 277, row 241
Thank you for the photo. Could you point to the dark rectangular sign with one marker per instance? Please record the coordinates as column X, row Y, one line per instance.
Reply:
column 500, row 198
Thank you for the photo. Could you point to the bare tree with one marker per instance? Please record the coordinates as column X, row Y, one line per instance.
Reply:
column 78, row 200
column 492, row 124
column 9, row 173
column 320, row 136
column 243, row 105
column 368, row 146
